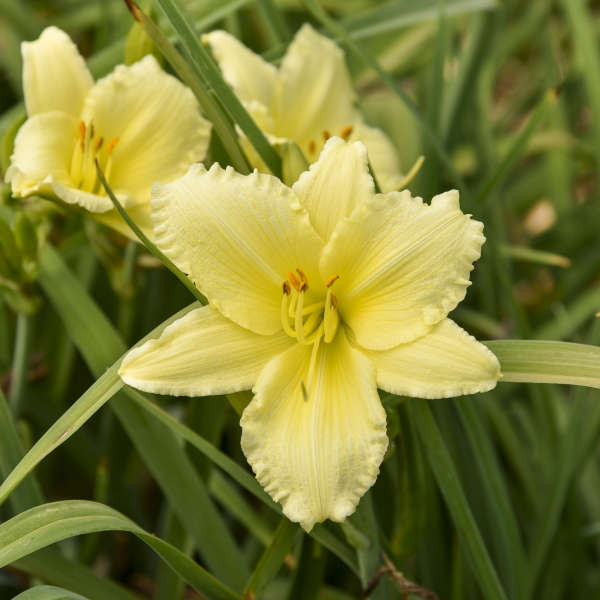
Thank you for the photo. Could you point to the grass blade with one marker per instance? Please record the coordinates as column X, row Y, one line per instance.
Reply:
column 272, row 559
column 399, row 14
column 50, row 566
column 48, row 592
column 44, row 525
column 193, row 79
column 447, row 479
column 200, row 58
column 78, row 414
column 165, row 458
column 541, row 361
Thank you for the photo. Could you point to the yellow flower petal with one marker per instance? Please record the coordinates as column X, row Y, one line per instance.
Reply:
column 402, row 265
column 92, row 202
column 251, row 77
column 140, row 214
column 42, row 153
column 445, row 362
column 152, row 122
column 55, row 76
column 314, row 96
column 237, row 237
column 382, row 155
column 202, row 353
column 316, row 454
column 335, row 185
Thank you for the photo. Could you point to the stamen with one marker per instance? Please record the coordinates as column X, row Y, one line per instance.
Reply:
column 295, row 281
column 292, row 309
column 313, row 362
column 109, row 158
column 298, row 318
column 91, row 130
column 312, row 147
column 98, row 144
column 331, row 318
column 346, row 132
column 326, row 135
column 285, row 319
column 82, row 135
column 331, row 280
column 111, row 145
column 302, row 275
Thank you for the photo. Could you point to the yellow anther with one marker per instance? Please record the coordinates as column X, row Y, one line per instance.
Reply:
column 346, row 132
column 295, row 281
column 303, row 277
column 91, row 130
column 331, row 280
column 82, row 135
column 312, row 147
column 98, row 144
column 111, row 145
column 326, row 135
column 334, row 301
column 286, row 288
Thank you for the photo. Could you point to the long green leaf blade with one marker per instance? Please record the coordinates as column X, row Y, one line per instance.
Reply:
column 199, row 56
column 542, row 361
column 44, row 525
column 447, row 479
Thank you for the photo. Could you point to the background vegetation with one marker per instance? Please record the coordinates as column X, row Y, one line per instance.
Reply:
column 490, row 496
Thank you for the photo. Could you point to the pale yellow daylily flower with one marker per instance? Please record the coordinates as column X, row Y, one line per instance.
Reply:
column 139, row 122
column 308, row 99
column 318, row 295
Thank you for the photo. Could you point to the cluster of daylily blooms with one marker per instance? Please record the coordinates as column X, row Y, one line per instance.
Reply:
column 319, row 294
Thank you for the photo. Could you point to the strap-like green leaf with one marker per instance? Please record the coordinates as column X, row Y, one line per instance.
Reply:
column 545, row 361
column 49, row 523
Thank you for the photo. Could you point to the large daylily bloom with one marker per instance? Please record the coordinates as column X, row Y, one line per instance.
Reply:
column 308, row 99
column 318, row 295
column 138, row 122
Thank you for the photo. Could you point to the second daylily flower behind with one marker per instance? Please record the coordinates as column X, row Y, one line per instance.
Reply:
column 138, row 122
column 308, row 99
column 318, row 295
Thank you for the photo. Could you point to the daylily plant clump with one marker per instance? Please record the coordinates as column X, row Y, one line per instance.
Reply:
column 319, row 294
column 139, row 123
